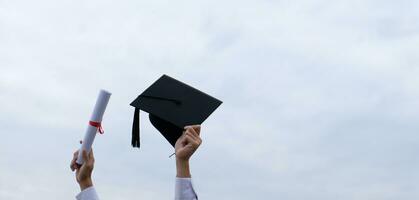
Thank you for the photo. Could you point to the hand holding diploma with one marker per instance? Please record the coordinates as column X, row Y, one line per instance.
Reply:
column 83, row 172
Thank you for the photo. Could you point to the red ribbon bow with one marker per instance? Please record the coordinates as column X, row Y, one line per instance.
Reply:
column 98, row 125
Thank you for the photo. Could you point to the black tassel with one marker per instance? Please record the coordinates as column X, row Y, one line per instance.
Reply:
column 135, row 141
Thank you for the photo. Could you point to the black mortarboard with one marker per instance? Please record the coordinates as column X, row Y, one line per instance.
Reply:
column 171, row 105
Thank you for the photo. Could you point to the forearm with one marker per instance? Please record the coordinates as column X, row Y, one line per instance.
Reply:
column 183, row 187
column 85, row 184
column 182, row 169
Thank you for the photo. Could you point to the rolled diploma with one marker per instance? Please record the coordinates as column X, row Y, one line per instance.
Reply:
column 99, row 110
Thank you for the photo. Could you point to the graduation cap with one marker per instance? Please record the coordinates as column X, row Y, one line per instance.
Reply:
column 171, row 105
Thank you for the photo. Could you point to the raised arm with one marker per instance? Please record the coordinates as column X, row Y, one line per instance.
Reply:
column 185, row 146
column 84, row 176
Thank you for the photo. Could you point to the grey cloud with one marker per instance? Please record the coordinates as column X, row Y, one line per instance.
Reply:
column 320, row 98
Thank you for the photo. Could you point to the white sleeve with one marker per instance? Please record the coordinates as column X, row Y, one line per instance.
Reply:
column 184, row 189
column 88, row 194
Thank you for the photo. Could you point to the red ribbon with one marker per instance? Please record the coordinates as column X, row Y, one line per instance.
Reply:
column 98, row 125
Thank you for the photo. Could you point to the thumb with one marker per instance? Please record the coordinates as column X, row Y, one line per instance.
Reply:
column 91, row 160
column 85, row 156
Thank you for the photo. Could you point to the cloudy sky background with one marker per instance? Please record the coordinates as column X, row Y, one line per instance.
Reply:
column 321, row 98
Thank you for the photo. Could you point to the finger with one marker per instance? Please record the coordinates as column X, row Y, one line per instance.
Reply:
column 183, row 140
column 197, row 129
column 196, row 139
column 187, row 128
column 76, row 154
column 73, row 161
column 189, row 139
column 192, row 141
column 195, row 135
column 73, row 164
column 192, row 135
column 192, row 130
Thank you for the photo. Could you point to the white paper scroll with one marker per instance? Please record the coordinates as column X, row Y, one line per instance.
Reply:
column 99, row 110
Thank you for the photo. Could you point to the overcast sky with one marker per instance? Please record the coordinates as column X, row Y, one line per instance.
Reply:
column 321, row 98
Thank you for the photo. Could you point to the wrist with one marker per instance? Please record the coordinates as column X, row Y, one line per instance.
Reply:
column 85, row 184
column 182, row 168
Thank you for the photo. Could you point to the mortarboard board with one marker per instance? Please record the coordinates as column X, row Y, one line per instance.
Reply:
column 171, row 105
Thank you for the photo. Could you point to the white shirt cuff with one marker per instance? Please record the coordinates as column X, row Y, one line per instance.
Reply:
column 88, row 194
column 184, row 189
